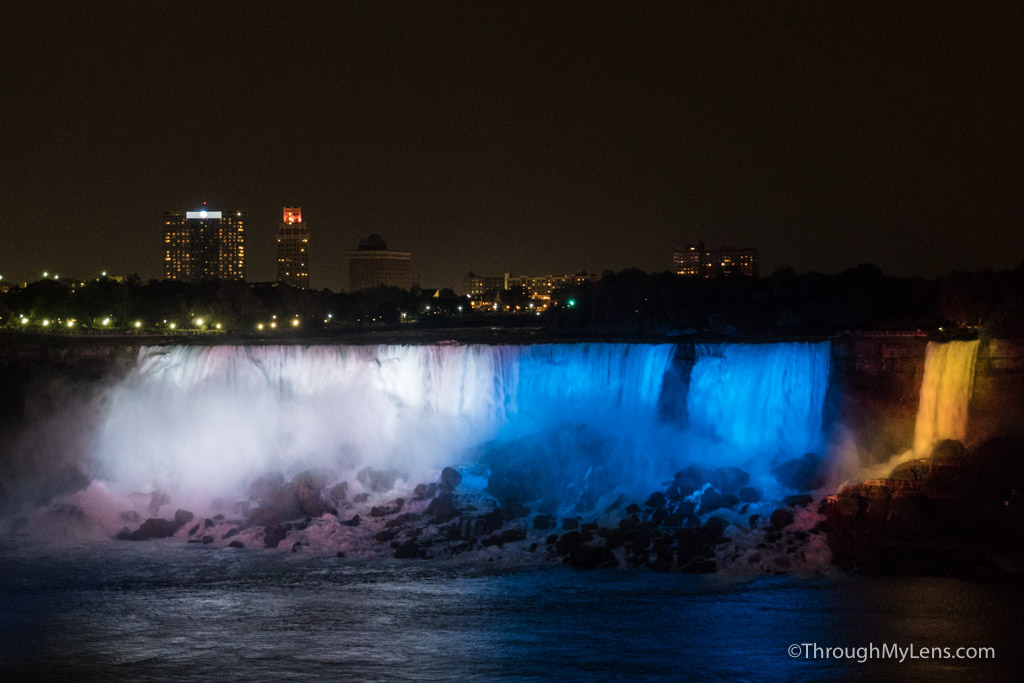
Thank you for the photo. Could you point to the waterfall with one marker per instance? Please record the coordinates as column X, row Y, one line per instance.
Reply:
column 214, row 417
column 945, row 393
column 760, row 398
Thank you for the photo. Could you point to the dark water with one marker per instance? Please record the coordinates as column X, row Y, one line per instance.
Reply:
column 169, row 612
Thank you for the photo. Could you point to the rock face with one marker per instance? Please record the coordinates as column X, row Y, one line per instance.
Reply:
column 802, row 474
column 151, row 528
column 961, row 514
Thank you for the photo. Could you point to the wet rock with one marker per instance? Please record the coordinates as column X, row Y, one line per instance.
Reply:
column 236, row 544
column 570, row 523
column 193, row 530
column 266, row 486
column 442, row 508
column 948, row 450
column 713, row 529
column 591, row 557
column 352, row 522
column 615, row 505
column 730, row 500
column 542, row 522
column 754, row 521
column 151, row 528
column 673, row 519
column 360, row 497
column 688, row 480
column 748, row 494
column 339, row 554
column 266, row 516
column 711, row 500
column 230, row 533
column 402, row 520
column 567, row 542
column 551, row 540
column 183, row 517
column 781, row 518
column 407, row 550
column 273, row 536
column 514, row 510
column 627, row 523
column 728, row 479
column 308, row 499
column 379, row 481
column 700, row 565
column 798, row 500
column 385, row 535
column 425, row 491
column 296, row 546
column 338, row 493
column 209, row 523
column 207, row 540
column 657, row 500
column 632, row 509
column 802, row 474
column 450, row 479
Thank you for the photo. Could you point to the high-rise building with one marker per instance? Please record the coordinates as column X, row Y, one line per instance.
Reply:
column 204, row 245
column 293, row 249
column 743, row 261
column 689, row 260
column 373, row 264
column 693, row 260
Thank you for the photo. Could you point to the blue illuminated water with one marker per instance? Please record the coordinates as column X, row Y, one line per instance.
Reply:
column 760, row 398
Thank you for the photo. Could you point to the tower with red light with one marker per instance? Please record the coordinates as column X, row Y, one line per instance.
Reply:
column 293, row 249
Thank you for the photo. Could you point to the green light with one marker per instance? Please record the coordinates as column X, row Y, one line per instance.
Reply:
column 570, row 303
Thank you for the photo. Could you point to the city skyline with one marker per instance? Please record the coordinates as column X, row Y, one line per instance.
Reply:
column 541, row 139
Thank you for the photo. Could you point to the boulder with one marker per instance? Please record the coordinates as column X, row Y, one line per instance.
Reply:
column 798, row 500
column 183, row 517
column 728, row 479
column 379, row 481
column 711, row 500
column 273, row 536
column 442, row 509
column 802, row 474
column 688, row 480
column 408, row 550
column 748, row 494
column 450, row 479
column 542, row 522
column 351, row 522
column 948, row 450
column 781, row 518
column 151, row 528
column 591, row 557
column 208, row 539
column 657, row 500
column 236, row 544
column 570, row 523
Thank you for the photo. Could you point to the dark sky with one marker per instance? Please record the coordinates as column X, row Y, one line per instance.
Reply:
column 524, row 137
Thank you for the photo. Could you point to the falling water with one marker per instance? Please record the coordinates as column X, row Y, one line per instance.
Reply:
column 761, row 398
column 945, row 393
column 194, row 418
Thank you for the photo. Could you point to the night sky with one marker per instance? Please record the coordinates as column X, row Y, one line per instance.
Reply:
column 524, row 137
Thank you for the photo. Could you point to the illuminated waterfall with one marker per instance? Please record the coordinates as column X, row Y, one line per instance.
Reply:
column 761, row 398
column 208, row 418
column 945, row 393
